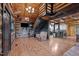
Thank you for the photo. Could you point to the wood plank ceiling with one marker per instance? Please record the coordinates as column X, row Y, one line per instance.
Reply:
column 40, row 9
column 19, row 9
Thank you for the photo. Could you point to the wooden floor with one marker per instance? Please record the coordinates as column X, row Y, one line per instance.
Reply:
column 34, row 47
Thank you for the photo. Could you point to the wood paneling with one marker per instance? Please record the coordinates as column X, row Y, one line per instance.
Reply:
column 20, row 9
column 60, row 6
column 40, row 9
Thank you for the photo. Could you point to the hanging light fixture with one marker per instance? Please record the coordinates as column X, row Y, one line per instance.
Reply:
column 26, row 9
column 27, row 18
column 30, row 9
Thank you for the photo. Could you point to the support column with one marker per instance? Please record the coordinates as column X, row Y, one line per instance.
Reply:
column 54, row 30
column 58, row 29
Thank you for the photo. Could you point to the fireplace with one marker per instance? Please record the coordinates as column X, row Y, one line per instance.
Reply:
column 24, row 25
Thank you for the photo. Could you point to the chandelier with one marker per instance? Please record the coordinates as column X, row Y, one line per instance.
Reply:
column 30, row 9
